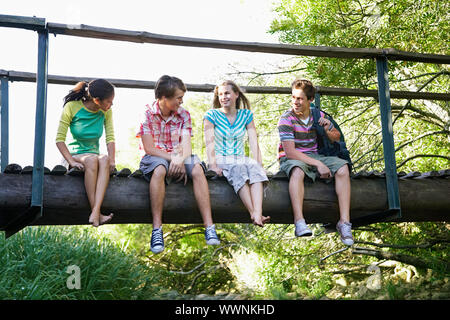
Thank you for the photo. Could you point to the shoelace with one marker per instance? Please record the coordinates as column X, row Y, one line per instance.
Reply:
column 210, row 234
column 346, row 230
column 157, row 237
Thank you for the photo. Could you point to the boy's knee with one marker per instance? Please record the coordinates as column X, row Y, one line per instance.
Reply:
column 343, row 171
column 197, row 171
column 297, row 174
column 159, row 172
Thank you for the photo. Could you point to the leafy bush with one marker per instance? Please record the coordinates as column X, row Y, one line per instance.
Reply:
column 34, row 263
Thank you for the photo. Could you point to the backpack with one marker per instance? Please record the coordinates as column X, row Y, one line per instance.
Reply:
column 325, row 146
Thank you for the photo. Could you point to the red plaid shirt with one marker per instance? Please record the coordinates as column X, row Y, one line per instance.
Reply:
column 166, row 133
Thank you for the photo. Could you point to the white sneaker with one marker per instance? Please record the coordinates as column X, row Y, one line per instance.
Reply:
column 345, row 230
column 301, row 229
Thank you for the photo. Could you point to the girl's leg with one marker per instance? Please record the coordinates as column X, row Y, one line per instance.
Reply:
column 102, row 184
column 246, row 197
column 91, row 172
column 256, row 190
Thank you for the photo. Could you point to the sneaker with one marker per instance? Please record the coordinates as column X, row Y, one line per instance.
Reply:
column 157, row 242
column 211, row 236
column 345, row 230
column 301, row 229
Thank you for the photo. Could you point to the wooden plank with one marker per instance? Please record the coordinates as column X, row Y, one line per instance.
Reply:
column 318, row 51
column 65, row 201
column 142, row 84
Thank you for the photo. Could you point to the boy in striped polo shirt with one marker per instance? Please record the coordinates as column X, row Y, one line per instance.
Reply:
column 298, row 156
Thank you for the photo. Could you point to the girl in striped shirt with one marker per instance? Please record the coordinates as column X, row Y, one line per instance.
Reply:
column 225, row 128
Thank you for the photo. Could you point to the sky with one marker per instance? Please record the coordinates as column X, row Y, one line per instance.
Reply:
column 238, row 20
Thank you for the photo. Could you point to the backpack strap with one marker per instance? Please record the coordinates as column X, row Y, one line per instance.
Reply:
column 322, row 139
column 315, row 113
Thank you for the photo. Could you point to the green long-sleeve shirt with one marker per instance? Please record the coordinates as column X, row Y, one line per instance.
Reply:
column 86, row 127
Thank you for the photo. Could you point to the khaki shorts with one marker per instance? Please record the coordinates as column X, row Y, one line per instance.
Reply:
column 333, row 163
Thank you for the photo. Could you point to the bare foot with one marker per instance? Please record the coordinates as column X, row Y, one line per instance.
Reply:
column 94, row 220
column 99, row 220
column 106, row 219
column 260, row 220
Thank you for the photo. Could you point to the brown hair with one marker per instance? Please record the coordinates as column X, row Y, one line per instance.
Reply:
column 98, row 88
column 308, row 88
column 167, row 85
column 241, row 97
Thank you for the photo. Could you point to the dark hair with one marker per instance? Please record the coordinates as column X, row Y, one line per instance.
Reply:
column 167, row 85
column 98, row 88
column 306, row 86
column 241, row 97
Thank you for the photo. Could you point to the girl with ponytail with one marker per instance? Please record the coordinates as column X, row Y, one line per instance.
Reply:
column 87, row 109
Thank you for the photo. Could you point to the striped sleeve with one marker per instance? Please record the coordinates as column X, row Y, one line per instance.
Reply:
column 285, row 129
column 109, row 126
column 249, row 117
column 209, row 115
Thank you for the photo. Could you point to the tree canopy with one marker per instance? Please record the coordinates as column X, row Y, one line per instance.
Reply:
column 421, row 127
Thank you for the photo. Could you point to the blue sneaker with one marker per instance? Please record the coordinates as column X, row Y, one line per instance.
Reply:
column 211, row 236
column 157, row 242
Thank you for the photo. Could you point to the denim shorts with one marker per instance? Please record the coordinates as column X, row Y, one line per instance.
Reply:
column 333, row 163
column 149, row 163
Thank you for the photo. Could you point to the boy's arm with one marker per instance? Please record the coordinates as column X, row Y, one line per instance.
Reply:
column 334, row 135
column 292, row 153
column 150, row 149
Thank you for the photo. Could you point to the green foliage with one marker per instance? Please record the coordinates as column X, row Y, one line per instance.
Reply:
column 422, row 127
column 34, row 262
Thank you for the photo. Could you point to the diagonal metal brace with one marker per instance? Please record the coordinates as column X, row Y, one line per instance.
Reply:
column 30, row 215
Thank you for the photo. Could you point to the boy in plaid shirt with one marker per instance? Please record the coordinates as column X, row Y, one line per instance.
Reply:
column 166, row 133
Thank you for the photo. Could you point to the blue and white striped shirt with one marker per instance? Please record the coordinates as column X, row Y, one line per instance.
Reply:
column 229, row 139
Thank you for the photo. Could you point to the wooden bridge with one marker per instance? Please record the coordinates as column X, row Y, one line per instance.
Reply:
column 424, row 197
column 36, row 195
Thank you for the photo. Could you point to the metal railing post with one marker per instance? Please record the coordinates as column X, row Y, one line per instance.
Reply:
column 41, row 115
column 317, row 100
column 4, row 144
column 388, row 136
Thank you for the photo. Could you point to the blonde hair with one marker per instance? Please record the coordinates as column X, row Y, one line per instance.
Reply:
column 241, row 97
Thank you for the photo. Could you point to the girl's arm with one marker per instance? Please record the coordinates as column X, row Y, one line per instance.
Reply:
column 253, row 140
column 111, row 147
column 210, row 145
column 66, row 154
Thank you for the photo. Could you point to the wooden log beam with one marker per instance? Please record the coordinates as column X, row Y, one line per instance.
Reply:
column 65, row 201
column 142, row 84
column 275, row 48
